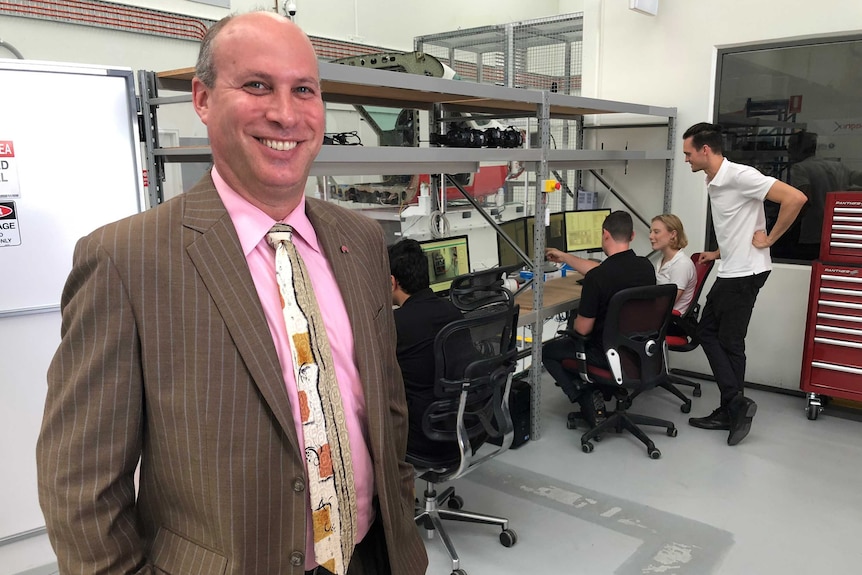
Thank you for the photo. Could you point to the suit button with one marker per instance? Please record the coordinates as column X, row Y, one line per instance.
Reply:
column 298, row 485
column 297, row 558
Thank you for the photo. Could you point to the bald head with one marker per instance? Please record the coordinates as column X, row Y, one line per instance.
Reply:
column 257, row 90
column 205, row 69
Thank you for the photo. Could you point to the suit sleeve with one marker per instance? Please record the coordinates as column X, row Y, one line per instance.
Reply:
column 397, row 396
column 90, row 441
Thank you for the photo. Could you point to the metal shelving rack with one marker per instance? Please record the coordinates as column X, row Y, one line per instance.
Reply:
column 352, row 85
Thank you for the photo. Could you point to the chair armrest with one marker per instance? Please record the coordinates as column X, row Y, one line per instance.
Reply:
column 580, row 341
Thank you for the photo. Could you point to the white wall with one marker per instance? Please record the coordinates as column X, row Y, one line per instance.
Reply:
column 669, row 60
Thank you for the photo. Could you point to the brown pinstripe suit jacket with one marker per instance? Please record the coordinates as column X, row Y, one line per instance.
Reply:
column 166, row 355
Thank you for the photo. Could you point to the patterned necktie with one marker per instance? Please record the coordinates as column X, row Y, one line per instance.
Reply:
column 327, row 450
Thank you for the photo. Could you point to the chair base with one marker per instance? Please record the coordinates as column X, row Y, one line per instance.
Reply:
column 685, row 407
column 686, row 402
column 431, row 517
column 620, row 420
column 677, row 380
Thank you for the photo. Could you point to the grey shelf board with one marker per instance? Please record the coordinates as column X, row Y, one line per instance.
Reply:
column 564, row 105
column 185, row 154
column 360, row 160
column 352, row 84
column 588, row 159
column 366, row 160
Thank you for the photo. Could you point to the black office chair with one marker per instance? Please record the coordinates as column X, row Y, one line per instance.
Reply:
column 475, row 360
column 634, row 344
column 475, row 290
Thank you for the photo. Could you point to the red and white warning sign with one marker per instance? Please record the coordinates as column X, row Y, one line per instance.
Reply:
column 9, row 187
column 10, row 235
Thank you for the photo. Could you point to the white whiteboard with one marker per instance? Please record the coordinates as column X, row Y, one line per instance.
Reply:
column 74, row 131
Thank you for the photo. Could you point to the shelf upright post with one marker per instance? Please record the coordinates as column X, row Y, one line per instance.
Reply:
column 509, row 57
column 437, row 126
column 668, row 165
column 542, row 173
column 155, row 167
column 579, row 145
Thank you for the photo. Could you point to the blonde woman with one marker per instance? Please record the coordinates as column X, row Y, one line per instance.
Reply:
column 675, row 267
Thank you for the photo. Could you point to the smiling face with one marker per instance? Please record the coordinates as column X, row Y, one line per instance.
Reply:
column 264, row 112
column 659, row 237
column 698, row 159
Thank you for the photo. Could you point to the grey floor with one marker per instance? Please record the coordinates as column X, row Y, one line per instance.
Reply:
column 785, row 501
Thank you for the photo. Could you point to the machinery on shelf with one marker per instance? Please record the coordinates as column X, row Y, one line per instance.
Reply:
column 468, row 132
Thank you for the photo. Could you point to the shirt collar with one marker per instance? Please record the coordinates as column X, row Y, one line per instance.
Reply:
column 720, row 174
column 252, row 224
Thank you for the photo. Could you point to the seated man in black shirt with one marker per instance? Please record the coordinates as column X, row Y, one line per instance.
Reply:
column 421, row 315
column 622, row 269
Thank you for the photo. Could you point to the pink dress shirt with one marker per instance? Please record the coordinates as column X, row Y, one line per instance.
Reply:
column 251, row 226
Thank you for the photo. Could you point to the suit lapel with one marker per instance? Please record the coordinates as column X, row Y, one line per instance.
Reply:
column 351, row 274
column 217, row 255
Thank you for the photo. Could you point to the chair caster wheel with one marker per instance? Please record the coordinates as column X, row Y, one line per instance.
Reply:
column 685, row 407
column 459, row 572
column 455, row 502
column 587, row 447
column 672, row 432
column 508, row 538
column 697, row 392
column 571, row 424
column 654, row 453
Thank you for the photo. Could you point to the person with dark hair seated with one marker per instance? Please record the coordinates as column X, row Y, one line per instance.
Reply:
column 622, row 269
column 419, row 318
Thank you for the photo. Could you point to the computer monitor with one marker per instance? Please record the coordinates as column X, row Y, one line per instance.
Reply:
column 517, row 231
column 555, row 233
column 448, row 258
column 584, row 229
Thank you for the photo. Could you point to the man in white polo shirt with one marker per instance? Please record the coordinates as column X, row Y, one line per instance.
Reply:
column 736, row 195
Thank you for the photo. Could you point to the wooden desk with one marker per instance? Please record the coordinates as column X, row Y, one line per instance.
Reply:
column 559, row 295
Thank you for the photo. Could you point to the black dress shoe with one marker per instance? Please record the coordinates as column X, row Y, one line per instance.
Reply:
column 742, row 411
column 718, row 419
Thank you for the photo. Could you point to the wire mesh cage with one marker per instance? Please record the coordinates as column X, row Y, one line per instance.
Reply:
column 540, row 54
column 543, row 54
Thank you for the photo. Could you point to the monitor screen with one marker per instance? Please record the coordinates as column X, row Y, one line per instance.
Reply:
column 555, row 233
column 448, row 258
column 584, row 229
column 517, row 231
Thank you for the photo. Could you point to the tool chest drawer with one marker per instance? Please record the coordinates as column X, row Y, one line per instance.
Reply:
column 841, row 239
column 832, row 360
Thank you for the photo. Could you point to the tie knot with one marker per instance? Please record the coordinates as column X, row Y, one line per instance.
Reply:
column 278, row 233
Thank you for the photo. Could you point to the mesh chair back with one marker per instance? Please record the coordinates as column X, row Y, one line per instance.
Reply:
column 475, row 290
column 474, row 358
column 634, row 334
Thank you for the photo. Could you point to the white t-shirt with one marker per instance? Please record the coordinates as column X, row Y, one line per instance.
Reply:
column 680, row 271
column 736, row 195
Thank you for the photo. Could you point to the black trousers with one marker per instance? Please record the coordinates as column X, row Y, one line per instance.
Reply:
column 723, row 327
column 553, row 354
column 370, row 556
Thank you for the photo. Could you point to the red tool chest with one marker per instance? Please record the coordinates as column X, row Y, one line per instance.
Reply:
column 832, row 359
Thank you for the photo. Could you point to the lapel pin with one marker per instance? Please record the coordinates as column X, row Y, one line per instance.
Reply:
column 344, row 249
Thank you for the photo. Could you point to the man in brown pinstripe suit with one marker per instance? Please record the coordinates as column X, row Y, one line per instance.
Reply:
column 171, row 355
